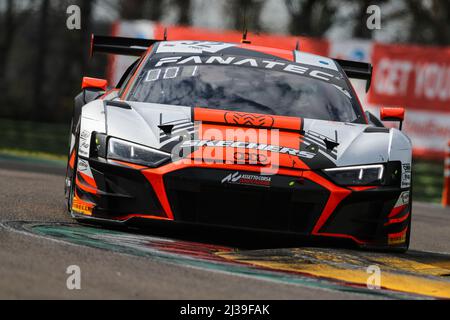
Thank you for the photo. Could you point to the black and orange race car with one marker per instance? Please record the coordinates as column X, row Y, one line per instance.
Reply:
column 241, row 136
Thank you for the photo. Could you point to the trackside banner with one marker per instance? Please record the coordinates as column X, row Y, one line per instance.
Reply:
column 414, row 77
column 417, row 78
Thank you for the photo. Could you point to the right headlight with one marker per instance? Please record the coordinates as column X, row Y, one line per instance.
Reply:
column 357, row 176
column 388, row 174
column 134, row 153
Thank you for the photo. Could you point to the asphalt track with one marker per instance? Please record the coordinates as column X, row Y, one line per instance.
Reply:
column 38, row 241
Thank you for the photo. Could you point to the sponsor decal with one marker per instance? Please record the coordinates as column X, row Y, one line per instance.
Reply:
column 84, row 143
column 406, row 176
column 247, row 179
column 316, row 61
column 85, row 135
column 403, row 199
column 83, row 166
column 248, row 146
column 294, row 68
column 397, row 238
column 251, row 158
column 323, row 144
column 192, row 47
column 248, row 119
column 82, row 208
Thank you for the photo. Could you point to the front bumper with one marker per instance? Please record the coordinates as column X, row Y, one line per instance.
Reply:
column 304, row 203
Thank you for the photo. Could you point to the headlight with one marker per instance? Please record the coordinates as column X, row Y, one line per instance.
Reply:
column 357, row 176
column 134, row 153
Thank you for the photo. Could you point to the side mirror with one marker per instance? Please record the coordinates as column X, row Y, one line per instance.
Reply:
column 393, row 114
column 94, row 83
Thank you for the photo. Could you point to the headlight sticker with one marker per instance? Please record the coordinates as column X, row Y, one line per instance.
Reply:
column 85, row 137
column 406, row 176
column 403, row 199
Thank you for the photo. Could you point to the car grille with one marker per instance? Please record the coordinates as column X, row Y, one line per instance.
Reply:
column 205, row 201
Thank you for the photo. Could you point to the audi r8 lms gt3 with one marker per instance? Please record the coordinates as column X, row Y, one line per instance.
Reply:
column 240, row 136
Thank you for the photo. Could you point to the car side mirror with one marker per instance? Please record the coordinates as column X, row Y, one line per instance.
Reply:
column 393, row 114
column 94, row 83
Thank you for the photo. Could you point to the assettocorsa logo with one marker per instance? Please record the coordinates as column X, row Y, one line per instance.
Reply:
column 233, row 177
column 247, row 179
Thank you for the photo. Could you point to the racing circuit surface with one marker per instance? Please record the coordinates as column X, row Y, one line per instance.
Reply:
column 39, row 241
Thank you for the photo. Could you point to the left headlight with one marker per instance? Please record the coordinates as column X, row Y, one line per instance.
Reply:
column 357, row 176
column 134, row 153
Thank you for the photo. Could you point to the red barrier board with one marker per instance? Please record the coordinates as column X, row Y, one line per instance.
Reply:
column 411, row 76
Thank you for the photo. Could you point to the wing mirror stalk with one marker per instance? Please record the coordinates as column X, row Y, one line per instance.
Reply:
column 393, row 114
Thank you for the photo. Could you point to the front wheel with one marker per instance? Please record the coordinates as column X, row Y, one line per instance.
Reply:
column 72, row 168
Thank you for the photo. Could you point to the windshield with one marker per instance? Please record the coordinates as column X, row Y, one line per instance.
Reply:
column 248, row 89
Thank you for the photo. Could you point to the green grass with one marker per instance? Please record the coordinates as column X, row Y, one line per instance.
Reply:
column 428, row 180
column 23, row 136
column 14, row 153
column 49, row 142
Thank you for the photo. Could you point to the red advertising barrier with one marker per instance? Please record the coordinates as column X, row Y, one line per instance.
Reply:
column 412, row 76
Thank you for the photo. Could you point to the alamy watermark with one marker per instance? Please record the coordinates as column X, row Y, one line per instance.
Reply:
column 374, row 280
column 73, row 282
column 374, row 19
column 73, row 21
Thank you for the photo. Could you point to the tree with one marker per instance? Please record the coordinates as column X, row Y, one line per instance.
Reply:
column 6, row 42
column 360, row 17
column 184, row 11
column 154, row 10
column 429, row 21
column 250, row 10
column 40, row 64
column 10, row 22
column 311, row 17
column 86, row 31
column 142, row 9
column 132, row 9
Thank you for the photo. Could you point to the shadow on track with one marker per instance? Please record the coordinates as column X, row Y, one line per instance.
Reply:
column 411, row 275
column 243, row 239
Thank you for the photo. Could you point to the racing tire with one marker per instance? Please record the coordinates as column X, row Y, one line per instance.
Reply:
column 70, row 190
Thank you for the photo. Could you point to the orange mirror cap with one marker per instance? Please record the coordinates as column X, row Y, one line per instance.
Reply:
column 392, row 114
column 94, row 83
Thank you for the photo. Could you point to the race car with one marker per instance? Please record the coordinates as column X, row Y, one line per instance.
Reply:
column 239, row 136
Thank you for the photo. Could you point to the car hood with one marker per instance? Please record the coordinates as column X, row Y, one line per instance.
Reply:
column 323, row 144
